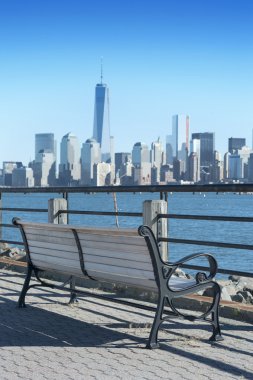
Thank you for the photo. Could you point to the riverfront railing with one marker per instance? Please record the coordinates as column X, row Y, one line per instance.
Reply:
column 162, row 192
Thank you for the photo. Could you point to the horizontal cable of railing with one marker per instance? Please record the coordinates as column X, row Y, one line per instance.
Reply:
column 21, row 209
column 8, row 225
column 216, row 188
column 206, row 217
column 206, row 243
column 108, row 213
column 14, row 242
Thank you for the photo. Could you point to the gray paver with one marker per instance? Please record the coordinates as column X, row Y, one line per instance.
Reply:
column 97, row 340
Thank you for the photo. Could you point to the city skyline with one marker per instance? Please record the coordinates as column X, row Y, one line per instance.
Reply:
column 160, row 58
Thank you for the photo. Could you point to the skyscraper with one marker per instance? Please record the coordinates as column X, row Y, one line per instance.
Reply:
column 141, row 163
column 180, row 136
column 206, row 148
column 44, row 166
column 235, row 143
column 44, row 142
column 70, row 160
column 101, row 126
column 156, row 153
column 90, row 155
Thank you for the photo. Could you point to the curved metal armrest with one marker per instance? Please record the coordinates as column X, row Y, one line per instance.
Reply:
column 213, row 266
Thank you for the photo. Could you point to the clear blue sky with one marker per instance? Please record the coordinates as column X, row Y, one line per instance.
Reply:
column 161, row 57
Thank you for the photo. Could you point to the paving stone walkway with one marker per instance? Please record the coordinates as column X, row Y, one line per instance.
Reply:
column 102, row 340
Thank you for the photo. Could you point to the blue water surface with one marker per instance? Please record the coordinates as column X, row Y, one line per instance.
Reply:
column 227, row 204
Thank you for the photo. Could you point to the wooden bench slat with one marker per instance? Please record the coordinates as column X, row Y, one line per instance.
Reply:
column 53, row 247
column 46, row 231
column 124, row 263
column 60, row 240
column 62, row 229
column 139, row 273
column 54, row 253
column 120, row 254
column 117, row 247
column 66, row 269
column 111, row 239
column 124, row 280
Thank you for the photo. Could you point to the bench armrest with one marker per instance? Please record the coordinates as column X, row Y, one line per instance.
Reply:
column 200, row 277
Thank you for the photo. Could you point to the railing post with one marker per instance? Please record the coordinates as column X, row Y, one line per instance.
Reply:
column 159, row 226
column 55, row 205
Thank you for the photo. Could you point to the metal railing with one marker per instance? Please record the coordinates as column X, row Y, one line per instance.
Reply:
column 163, row 190
column 209, row 243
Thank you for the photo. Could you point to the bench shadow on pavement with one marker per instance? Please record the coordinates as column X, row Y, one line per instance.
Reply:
column 32, row 326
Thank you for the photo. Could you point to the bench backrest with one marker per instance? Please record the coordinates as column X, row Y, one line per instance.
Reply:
column 105, row 254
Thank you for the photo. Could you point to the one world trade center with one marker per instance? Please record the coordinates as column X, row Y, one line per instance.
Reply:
column 101, row 127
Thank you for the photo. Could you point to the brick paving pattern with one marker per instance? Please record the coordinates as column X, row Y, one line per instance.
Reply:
column 102, row 340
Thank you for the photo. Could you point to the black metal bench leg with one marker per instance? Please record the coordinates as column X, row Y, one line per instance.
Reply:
column 21, row 300
column 152, row 341
column 216, row 336
column 73, row 297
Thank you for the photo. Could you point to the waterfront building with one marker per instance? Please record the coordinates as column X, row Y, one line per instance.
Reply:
column 235, row 171
column 157, row 160
column 169, row 149
column 157, row 154
column 103, row 174
column 194, row 162
column 101, row 125
column 22, row 177
column 120, row 159
column 217, row 170
column 166, row 174
column 90, row 155
column 44, row 169
column 140, row 154
column 245, row 153
column 194, row 167
column 180, row 133
column 141, row 164
column 250, row 168
column 235, row 143
column 70, row 160
column 124, row 176
column 8, row 167
column 178, row 169
column 142, row 174
column 155, row 175
column 45, row 154
column 207, row 144
column 226, row 165
column 44, row 142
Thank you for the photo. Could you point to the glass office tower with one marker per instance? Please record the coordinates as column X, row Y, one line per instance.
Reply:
column 101, row 127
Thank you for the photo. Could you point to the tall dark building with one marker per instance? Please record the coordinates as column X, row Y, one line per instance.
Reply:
column 235, row 143
column 101, row 126
column 121, row 159
column 206, row 148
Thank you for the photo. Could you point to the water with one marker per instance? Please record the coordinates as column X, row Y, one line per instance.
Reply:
column 179, row 203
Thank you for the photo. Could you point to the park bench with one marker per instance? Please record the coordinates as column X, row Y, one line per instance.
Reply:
column 119, row 256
